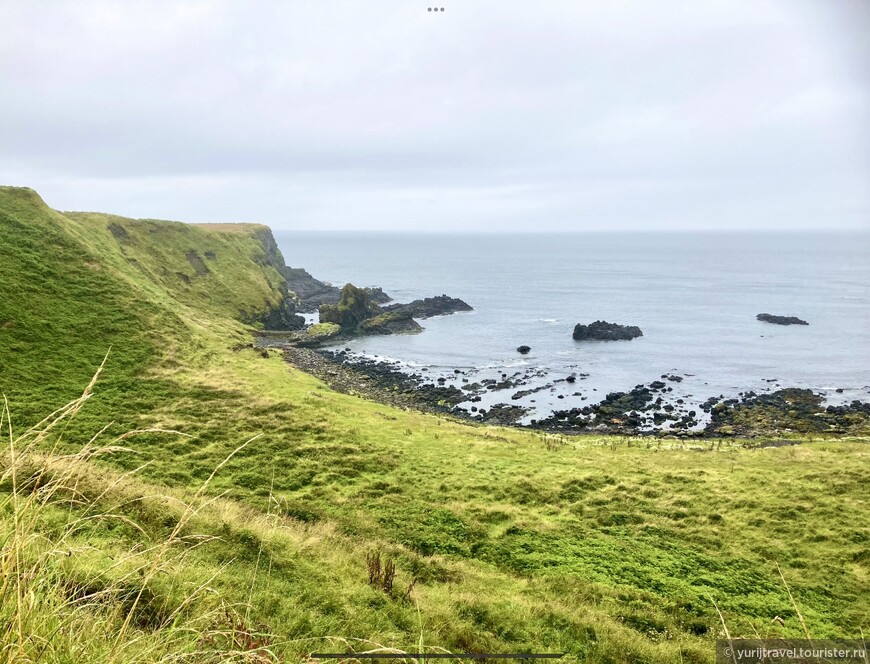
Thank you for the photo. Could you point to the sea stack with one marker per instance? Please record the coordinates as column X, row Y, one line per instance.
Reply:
column 603, row 331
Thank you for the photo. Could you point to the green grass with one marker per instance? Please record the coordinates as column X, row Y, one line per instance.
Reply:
column 610, row 549
column 324, row 330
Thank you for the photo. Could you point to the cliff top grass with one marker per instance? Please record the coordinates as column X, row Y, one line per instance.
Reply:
column 230, row 228
column 244, row 518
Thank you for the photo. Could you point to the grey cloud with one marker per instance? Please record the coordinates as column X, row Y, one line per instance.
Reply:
column 492, row 116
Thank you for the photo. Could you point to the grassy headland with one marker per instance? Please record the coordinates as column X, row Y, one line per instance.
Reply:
column 243, row 518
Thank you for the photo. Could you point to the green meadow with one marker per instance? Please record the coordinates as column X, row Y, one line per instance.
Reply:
column 169, row 493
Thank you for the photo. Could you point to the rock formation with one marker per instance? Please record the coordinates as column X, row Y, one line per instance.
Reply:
column 440, row 305
column 603, row 331
column 780, row 320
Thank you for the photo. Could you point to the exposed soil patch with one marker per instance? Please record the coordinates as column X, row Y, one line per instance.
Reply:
column 196, row 262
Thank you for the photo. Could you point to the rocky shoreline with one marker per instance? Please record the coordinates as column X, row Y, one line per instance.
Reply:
column 644, row 410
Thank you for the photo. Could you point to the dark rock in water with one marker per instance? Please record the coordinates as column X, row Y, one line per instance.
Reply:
column 603, row 331
column 780, row 320
column 431, row 306
column 391, row 322
column 357, row 312
column 377, row 295
column 523, row 349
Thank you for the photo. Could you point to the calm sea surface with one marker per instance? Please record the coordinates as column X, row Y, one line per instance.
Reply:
column 695, row 296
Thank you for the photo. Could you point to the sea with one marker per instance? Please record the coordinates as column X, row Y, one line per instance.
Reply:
column 695, row 296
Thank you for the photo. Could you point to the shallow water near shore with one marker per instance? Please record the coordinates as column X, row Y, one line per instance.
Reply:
column 695, row 296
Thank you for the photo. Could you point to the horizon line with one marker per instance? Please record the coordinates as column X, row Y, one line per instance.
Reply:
column 588, row 231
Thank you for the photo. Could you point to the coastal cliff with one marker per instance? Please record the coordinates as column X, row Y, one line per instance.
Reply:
column 198, row 474
column 77, row 284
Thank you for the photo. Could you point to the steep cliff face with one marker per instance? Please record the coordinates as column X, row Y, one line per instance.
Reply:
column 271, row 256
column 282, row 316
column 307, row 293
column 234, row 270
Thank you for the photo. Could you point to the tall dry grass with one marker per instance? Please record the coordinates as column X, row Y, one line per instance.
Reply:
column 63, row 600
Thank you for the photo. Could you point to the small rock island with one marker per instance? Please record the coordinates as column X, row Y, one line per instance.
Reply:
column 441, row 305
column 603, row 331
column 781, row 320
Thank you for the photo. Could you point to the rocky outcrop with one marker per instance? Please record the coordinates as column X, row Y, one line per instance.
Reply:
column 431, row 306
column 323, row 331
column 357, row 312
column 352, row 308
column 790, row 410
column 281, row 317
column 603, row 331
column 523, row 350
column 310, row 292
column 391, row 322
column 307, row 292
column 780, row 320
column 377, row 295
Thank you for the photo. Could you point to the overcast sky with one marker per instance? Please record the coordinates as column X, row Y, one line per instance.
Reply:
column 494, row 115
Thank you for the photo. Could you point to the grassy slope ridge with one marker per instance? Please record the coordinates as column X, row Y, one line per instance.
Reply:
column 77, row 284
column 609, row 549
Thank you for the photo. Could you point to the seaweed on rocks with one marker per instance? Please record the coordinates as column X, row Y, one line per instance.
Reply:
column 790, row 410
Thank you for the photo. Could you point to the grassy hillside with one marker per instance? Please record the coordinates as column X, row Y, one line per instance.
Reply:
column 243, row 520
column 76, row 285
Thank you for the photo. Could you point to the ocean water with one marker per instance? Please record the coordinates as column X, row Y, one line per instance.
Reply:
column 695, row 296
